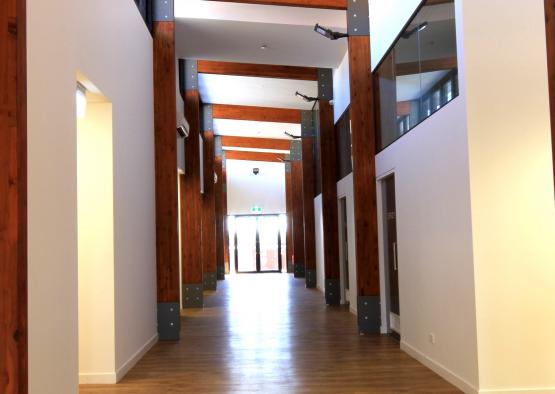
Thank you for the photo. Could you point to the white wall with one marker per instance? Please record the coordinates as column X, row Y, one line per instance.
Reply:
column 108, row 42
column 434, row 227
column 246, row 190
column 341, row 88
column 511, row 183
column 319, row 234
column 345, row 189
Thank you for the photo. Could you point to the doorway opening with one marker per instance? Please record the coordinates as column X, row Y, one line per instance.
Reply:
column 95, row 212
column 391, row 255
column 258, row 242
column 344, row 250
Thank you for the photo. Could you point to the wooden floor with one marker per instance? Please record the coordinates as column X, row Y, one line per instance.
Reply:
column 267, row 333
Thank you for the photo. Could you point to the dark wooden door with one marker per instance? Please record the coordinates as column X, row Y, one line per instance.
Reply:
column 391, row 243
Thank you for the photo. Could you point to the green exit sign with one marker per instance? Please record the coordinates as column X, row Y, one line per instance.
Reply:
column 256, row 209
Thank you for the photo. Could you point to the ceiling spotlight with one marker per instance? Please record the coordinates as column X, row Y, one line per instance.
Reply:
column 295, row 137
column 418, row 28
column 263, row 47
column 306, row 98
column 328, row 33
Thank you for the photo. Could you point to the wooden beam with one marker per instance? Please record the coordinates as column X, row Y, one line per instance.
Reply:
column 191, row 249
column 13, row 198
column 218, row 197
column 298, row 218
column 209, row 215
column 363, row 134
column 448, row 63
column 255, row 143
column 258, row 70
column 325, row 4
column 254, row 156
column 167, row 237
column 550, row 35
column 328, row 171
column 289, row 212
column 308, row 211
column 258, row 114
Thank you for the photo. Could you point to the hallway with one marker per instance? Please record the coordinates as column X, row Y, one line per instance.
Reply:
column 267, row 333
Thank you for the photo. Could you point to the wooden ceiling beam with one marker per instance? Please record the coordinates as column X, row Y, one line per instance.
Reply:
column 325, row 4
column 258, row 70
column 411, row 68
column 255, row 156
column 258, row 114
column 255, row 143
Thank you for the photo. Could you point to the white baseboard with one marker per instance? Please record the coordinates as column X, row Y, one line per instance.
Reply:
column 134, row 359
column 353, row 310
column 114, row 377
column 442, row 371
column 541, row 390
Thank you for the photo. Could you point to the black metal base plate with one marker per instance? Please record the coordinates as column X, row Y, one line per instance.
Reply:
column 369, row 314
column 169, row 322
column 209, row 280
column 332, row 291
column 220, row 272
column 310, row 279
column 192, row 296
column 299, row 270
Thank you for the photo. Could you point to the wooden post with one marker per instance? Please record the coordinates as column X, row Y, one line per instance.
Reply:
column 13, row 198
column 363, row 134
column 227, row 263
column 208, row 212
column 167, row 235
column 550, row 39
column 328, row 174
column 218, row 197
column 192, row 235
column 307, row 128
column 298, row 209
column 289, row 212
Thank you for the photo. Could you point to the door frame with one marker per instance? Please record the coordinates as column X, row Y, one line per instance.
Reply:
column 385, row 301
column 257, row 240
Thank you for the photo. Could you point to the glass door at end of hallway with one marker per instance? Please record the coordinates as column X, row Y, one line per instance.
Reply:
column 257, row 242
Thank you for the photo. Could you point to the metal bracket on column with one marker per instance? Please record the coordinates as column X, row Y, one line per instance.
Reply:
column 307, row 125
column 325, row 84
column 209, row 280
column 220, row 272
column 296, row 150
column 218, row 149
column 223, row 162
column 310, row 279
column 191, row 74
column 207, row 118
column 163, row 11
column 192, row 296
column 369, row 314
column 358, row 20
column 332, row 291
column 290, row 268
column 169, row 321
column 298, row 270
column 287, row 164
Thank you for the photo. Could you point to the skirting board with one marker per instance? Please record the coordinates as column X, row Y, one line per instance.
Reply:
column 114, row 377
column 445, row 373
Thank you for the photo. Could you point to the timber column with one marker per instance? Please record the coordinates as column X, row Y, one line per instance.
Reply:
column 289, row 213
column 307, row 157
column 191, row 214
column 167, row 236
column 328, row 171
column 363, row 132
column 218, row 197
column 298, row 208
column 208, row 204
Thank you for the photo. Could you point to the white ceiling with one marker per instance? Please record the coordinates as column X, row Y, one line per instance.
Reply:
column 235, row 148
column 262, row 92
column 245, row 128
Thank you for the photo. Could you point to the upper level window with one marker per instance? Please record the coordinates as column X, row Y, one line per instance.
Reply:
column 418, row 75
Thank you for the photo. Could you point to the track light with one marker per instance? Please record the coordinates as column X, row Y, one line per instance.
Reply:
column 306, row 98
column 409, row 33
column 295, row 137
column 328, row 33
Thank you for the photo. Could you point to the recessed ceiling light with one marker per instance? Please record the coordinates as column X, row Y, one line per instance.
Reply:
column 263, row 47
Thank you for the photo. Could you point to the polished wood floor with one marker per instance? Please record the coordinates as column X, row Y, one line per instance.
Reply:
column 267, row 333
